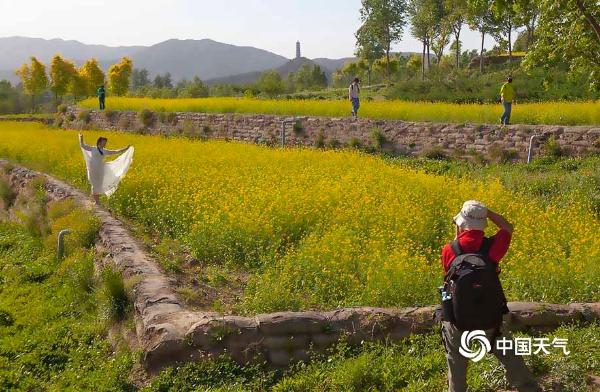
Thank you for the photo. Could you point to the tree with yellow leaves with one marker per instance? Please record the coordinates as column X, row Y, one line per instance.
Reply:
column 61, row 74
column 92, row 75
column 34, row 79
column 118, row 76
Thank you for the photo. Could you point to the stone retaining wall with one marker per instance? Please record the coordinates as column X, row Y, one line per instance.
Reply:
column 396, row 137
column 168, row 333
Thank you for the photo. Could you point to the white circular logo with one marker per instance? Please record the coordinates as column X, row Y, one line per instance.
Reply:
column 469, row 338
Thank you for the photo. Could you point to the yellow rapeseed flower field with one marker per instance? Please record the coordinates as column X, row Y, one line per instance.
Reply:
column 563, row 113
column 322, row 229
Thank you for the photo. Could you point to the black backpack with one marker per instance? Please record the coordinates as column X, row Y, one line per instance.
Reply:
column 478, row 301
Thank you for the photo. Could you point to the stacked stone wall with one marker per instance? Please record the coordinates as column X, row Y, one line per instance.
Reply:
column 396, row 137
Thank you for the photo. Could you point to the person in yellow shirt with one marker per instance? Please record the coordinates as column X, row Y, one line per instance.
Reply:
column 507, row 96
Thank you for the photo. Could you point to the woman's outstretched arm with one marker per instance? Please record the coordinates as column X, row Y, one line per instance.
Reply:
column 115, row 152
column 83, row 145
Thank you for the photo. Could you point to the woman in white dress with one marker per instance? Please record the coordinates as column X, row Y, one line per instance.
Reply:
column 105, row 176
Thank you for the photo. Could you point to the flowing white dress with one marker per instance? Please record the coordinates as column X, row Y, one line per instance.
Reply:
column 104, row 177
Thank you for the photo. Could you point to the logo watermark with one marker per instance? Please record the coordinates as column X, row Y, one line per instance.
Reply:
column 475, row 344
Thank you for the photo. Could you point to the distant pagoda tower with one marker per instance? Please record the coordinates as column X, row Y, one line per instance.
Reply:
column 298, row 52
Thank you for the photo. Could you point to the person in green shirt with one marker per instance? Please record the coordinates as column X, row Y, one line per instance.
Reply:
column 507, row 95
column 101, row 92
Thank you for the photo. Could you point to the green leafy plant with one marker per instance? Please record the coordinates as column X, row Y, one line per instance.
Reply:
column 115, row 293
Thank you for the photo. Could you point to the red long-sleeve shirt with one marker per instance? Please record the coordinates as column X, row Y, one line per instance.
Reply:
column 470, row 242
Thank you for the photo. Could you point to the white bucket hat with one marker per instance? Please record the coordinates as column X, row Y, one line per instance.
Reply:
column 473, row 216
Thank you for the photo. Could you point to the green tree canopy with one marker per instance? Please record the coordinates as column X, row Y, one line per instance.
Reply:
column 568, row 33
column 271, row 83
column 383, row 22
column 480, row 17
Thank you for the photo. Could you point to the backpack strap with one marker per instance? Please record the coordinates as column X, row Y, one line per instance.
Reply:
column 456, row 249
column 486, row 244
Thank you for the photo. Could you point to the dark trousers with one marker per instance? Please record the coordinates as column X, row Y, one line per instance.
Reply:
column 505, row 119
column 101, row 99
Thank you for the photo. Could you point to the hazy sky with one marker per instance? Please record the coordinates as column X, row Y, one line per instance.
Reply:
column 325, row 27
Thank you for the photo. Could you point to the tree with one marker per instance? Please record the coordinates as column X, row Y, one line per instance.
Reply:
column 139, row 78
column 567, row 34
column 425, row 18
column 480, row 17
column 194, row 89
column 163, row 81
column 10, row 101
column 381, row 66
column 92, row 75
column 368, row 50
column 383, row 22
column 270, row 83
column 506, row 15
column 343, row 76
column 118, row 76
column 34, row 79
column 78, row 86
column 61, row 75
column 441, row 37
column 527, row 14
column 456, row 18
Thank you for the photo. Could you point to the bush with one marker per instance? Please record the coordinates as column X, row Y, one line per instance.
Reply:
column 499, row 154
column 434, row 152
column 7, row 195
column 169, row 118
column 123, row 122
column 146, row 117
column 354, row 143
column 333, row 143
column 189, row 129
column 58, row 120
column 30, row 208
column 115, row 293
column 84, row 116
column 70, row 117
column 298, row 128
column 552, row 149
column 79, row 271
column 65, row 214
column 378, row 138
column 62, row 109
column 109, row 114
column 6, row 319
column 320, row 140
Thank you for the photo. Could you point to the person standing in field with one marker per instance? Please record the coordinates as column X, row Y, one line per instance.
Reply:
column 104, row 177
column 101, row 92
column 353, row 95
column 473, row 301
column 507, row 96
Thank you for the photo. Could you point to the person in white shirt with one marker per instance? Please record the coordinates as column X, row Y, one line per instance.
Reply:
column 353, row 95
column 104, row 176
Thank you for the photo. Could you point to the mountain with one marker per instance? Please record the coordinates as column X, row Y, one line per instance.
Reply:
column 182, row 58
column 17, row 50
column 208, row 59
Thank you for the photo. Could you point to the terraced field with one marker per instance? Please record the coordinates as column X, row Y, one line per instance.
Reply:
column 321, row 229
column 552, row 113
